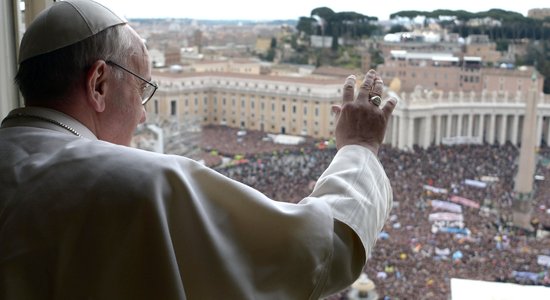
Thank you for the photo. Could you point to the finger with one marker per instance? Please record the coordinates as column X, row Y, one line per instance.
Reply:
column 349, row 88
column 336, row 109
column 388, row 108
column 366, row 86
column 378, row 87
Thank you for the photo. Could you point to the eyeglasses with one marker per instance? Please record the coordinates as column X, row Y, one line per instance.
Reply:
column 150, row 87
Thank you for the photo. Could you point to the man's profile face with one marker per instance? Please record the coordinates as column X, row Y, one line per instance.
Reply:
column 124, row 110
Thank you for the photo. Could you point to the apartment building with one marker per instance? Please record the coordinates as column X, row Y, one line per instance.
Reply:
column 236, row 65
column 263, row 44
column 446, row 72
column 428, row 70
column 511, row 81
column 450, row 45
column 481, row 46
column 538, row 13
column 172, row 56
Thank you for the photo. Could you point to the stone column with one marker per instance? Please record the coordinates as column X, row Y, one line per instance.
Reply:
column 395, row 131
column 526, row 169
column 402, row 140
column 438, row 130
column 538, row 131
column 449, row 125
column 427, row 132
column 515, row 130
column 459, row 125
column 522, row 205
column 481, row 126
column 470, row 132
column 491, row 138
column 410, row 132
column 503, row 130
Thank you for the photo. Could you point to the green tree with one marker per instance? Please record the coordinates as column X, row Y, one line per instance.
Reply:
column 398, row 28
column 305, row 25
column 323, row 12
column 502, row 45
column 273, row 44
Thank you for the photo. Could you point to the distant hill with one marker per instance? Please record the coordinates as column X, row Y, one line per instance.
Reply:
column 218, row 22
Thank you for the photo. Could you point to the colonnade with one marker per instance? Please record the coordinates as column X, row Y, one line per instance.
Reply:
column 446, row 123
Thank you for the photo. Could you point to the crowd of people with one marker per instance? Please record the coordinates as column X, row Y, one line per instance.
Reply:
column 229, row 141
column 415, row 257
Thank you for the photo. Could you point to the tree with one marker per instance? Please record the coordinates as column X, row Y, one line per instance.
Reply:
column 398, row 28
column 273, row 44
column 502, row 45
column 305, row 25
column 323, row 12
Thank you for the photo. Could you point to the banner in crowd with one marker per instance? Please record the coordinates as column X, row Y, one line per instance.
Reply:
column 455, row 224
column 489, row 179
column 543, row 260
column 464, row 231
column 535, row 277
column 435, row 189
column 442, row 252
column 475, row 183
column 461, row 140
column 464, row 201
column 444, row 205
column 445, row 216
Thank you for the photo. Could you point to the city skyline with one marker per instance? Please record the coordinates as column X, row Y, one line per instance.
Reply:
column 280, row 10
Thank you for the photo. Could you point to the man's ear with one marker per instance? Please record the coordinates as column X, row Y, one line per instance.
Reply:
column 96, row 85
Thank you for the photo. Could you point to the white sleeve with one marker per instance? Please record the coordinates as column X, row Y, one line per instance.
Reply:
column 358, row 192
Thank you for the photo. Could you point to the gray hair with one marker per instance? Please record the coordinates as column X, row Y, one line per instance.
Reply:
column 52, row 76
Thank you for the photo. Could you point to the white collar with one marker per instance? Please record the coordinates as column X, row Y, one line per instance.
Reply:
column 46, row 118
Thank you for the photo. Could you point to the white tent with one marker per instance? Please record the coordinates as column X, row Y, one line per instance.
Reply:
column 288, row 139
column 465, row 289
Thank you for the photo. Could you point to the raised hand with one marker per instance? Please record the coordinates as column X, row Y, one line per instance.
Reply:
column 360, row 120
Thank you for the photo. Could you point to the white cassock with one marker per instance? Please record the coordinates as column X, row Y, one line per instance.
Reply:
column 86, row 219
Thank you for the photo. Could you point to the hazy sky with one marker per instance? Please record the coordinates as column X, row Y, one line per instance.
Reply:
column 293, row 9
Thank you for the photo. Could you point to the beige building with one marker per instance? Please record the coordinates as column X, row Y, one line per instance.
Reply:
column 337, row 72
column 172, row 56
column 511, row 81
column 288, row 105
column 423, row 47
column 446, row 72
column 263, row 44
column 480, row 45
column 236, row 65
column 538, row 13
column 439, row 71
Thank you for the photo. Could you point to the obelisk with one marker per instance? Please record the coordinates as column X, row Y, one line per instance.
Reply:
column 523, row 188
